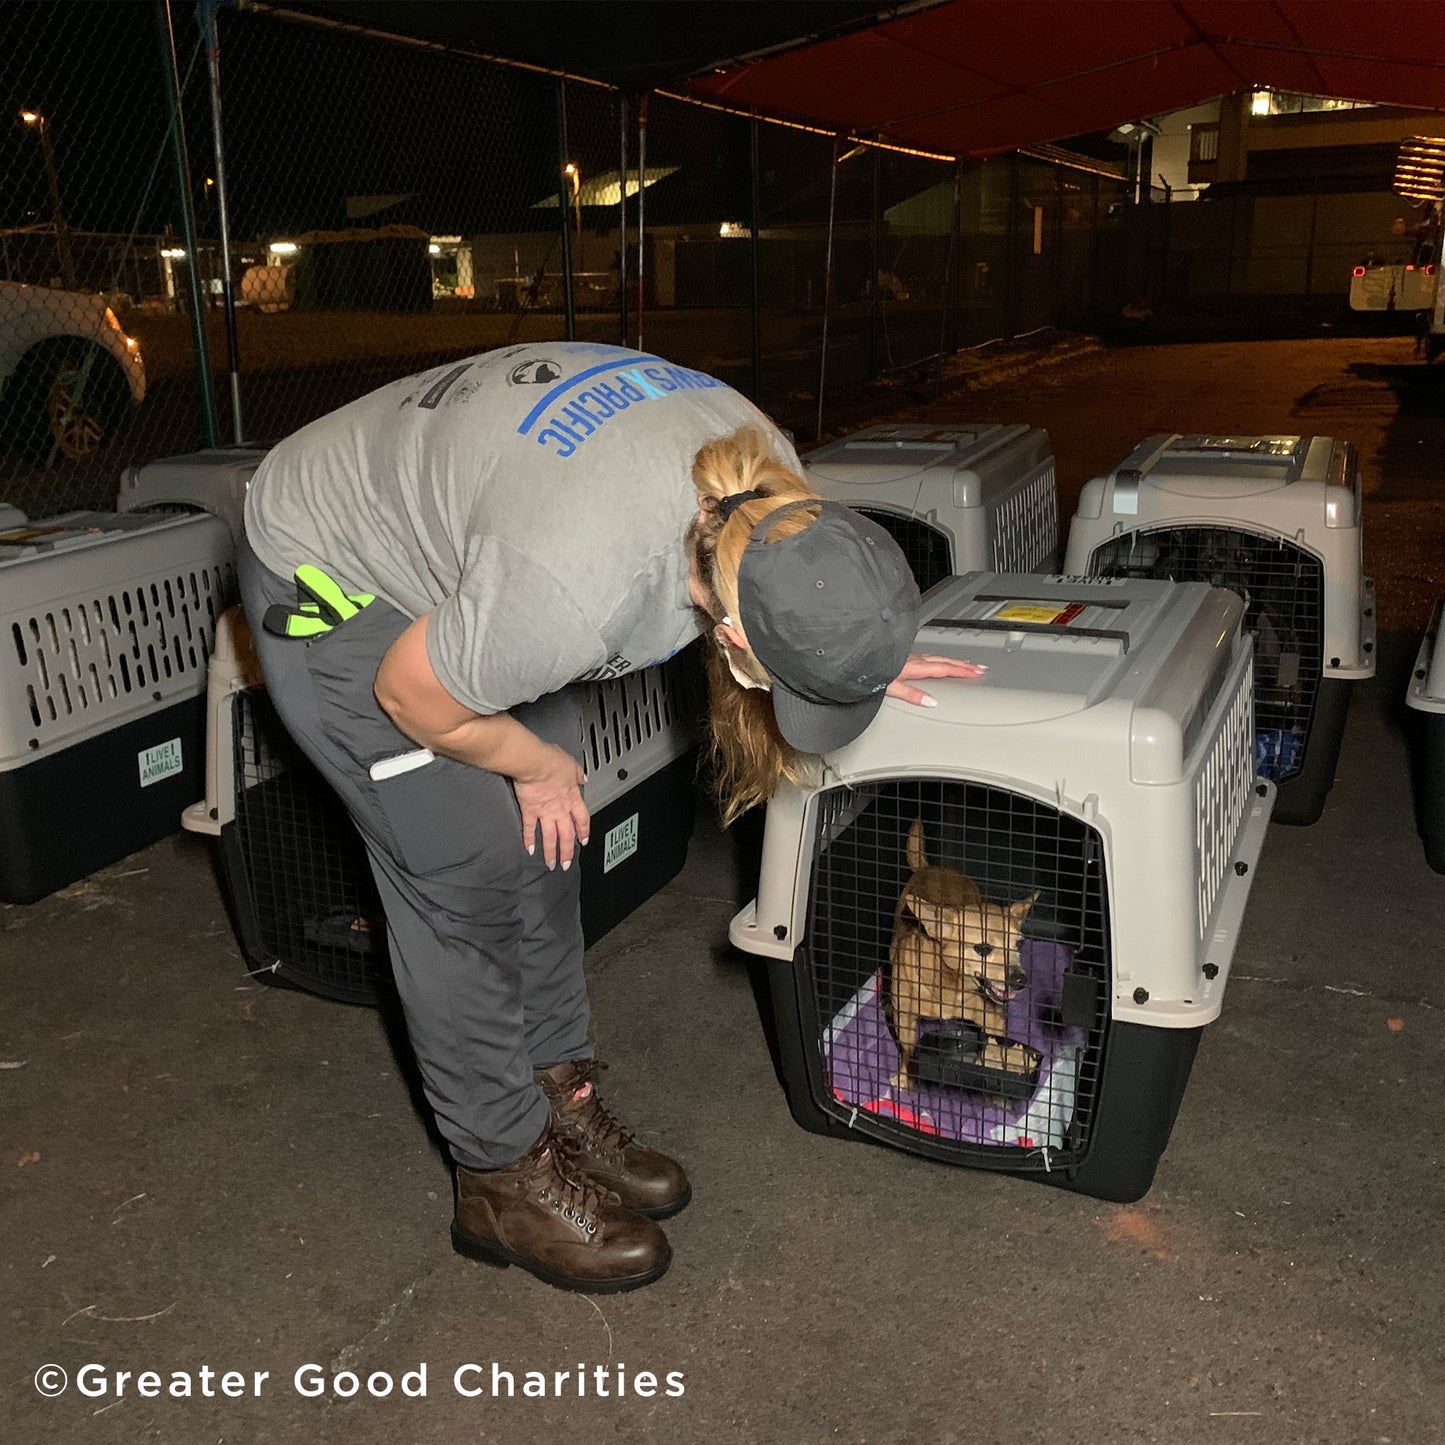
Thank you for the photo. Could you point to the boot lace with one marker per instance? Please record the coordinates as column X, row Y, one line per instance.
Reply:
column 589, row 1117
column 570, row 1192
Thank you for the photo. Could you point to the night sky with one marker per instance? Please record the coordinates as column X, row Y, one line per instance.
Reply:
column 312, row 117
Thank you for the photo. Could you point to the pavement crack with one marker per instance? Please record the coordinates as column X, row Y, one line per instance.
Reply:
column 1296, row 985
column 351, row 1353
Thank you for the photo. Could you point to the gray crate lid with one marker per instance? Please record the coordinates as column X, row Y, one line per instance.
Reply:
column 1196, row 464
column 213, row 481
column 103, row 619
column 895, row 452
column 1055, row 645
column 72, row 532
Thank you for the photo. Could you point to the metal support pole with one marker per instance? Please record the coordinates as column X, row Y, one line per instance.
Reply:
column 1164, row 259
column 1096, row 301
column 1014, row 269
column 62, row 231
column 755, row 227
column 622, row 214
column 228, row 293
column 874, row 244
column 955, row 271
column 166, row 33
column 1056, row 267
column 1310, row 245
column 827, row 288
column 564, row 206
column 641, row 215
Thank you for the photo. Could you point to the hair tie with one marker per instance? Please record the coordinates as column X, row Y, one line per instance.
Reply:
column 728, row 505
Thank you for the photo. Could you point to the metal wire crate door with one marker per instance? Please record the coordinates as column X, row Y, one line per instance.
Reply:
column 1016, row 851
column 1283, row 587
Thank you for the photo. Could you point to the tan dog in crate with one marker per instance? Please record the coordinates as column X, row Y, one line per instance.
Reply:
column 955, row 956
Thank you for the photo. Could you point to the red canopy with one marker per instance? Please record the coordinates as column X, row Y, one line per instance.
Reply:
column 973, row 77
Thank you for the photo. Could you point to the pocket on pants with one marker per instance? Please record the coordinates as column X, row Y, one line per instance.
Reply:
column 432, row 818
column 446, row 814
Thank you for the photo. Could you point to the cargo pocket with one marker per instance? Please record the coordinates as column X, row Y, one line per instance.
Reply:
column 433, row 818
column 446, row 814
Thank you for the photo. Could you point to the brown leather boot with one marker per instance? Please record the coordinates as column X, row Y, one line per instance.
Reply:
column 607, row 1153
column 543, row 1215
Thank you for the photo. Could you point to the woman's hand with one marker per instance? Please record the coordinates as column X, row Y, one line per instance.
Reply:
column 545, row 778
column 550, row 797
column 926, row 664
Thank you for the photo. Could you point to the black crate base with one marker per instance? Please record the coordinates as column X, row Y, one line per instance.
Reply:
column 297, row 919
column 665, row 807
column 1145, row 1072
column 1427, row 739
column 68, row 814
column 1301, row 799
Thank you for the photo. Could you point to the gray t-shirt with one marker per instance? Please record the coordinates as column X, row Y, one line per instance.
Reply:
column 532, row 500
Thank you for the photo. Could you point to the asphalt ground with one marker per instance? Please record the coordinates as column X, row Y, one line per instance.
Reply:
column 201, row 1172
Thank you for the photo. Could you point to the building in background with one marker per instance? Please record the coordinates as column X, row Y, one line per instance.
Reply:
column 1290, row 193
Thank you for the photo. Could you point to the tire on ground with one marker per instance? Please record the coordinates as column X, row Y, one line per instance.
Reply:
column 55, row 406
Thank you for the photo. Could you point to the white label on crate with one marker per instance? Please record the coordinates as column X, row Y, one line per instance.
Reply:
column 620, row 843
column 160, row 762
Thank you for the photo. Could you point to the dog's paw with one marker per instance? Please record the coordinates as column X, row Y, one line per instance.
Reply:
column 899, row 1080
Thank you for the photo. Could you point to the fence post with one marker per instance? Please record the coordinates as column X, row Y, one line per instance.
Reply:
column 1310, row 248
column 564, row 210
column 206, row 13
column 827, row 286
column 1056, row 266
column 1014, row 269
column 1092, row 304
column 167, row 37
column 874, row 247
column 641, row 215
column 1165, row 259
column 622, row 213
column 755, row 226
column 955, row 290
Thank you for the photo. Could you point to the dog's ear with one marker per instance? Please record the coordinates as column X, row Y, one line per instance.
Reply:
column 928, row 916
column 916, row 857
column 1017, row 912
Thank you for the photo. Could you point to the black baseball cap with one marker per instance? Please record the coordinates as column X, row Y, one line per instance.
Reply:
column 831, row 612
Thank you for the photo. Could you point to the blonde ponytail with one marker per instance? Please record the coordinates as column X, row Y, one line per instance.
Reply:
column 748, row 754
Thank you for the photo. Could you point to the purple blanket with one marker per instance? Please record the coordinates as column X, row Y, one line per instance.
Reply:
column 861, row 1056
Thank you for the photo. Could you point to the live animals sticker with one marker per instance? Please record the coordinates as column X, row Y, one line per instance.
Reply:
column 620, row 843
column 160, row 762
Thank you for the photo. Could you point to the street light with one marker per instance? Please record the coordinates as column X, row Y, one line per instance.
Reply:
column 37, row 122
column 575, row 176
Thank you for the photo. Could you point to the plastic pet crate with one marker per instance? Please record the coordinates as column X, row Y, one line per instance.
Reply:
column 1278, row 520
column 295, row 870
column 213, row 481
column 955, row 498
column 1426, row 699
column 1096, row 792
column 106, row 625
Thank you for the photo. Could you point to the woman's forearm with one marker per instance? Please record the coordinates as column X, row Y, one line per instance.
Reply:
column 413, row 698
column 498, row 743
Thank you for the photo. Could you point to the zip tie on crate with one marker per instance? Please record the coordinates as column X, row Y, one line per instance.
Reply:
column 853, row 1117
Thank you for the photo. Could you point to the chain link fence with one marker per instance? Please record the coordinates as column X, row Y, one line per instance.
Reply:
column 92, row 265
column 357, row 207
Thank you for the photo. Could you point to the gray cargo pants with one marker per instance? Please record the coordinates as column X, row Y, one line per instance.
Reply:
column 486, row 942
